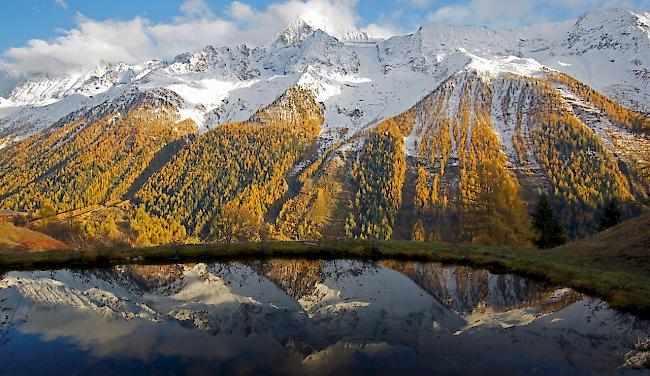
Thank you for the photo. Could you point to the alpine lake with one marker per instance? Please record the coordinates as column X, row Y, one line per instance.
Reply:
column 308, row 317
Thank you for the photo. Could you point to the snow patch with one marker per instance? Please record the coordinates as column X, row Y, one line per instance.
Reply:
column 509, row 64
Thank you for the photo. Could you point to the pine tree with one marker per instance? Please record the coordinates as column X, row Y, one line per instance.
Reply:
column 435, row 236
column 551, row 232
column 611, row 214
column 350, row 226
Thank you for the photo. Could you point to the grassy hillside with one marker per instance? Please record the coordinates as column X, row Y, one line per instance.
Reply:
column 627, row 246
column 21, row 239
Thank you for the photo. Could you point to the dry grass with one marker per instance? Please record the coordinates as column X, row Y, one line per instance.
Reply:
column 627, row 246
column 20, row 239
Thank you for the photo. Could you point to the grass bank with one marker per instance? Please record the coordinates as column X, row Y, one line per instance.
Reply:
column 611, row 279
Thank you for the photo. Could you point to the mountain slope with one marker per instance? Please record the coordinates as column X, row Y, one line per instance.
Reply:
column 478, row 139
column 449, row 133
column 20, row 239
column 88, row 161
column 627, row 243
column 244, row 165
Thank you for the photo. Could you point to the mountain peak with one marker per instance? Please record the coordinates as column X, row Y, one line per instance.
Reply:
column 595, row 18
column 612, row 29
column 296, row 32
column 614, row 12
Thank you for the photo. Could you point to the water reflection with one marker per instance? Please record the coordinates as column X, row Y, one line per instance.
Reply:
column 308, row 317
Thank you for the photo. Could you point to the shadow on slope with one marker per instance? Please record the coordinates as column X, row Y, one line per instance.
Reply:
column 626, row 245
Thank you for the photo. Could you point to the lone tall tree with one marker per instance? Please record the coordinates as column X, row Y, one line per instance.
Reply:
column 551, row 232
column 611, row 214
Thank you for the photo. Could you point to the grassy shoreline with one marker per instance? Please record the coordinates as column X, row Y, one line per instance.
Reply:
column 623, row 288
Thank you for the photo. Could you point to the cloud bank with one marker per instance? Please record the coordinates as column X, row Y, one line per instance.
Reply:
column 511, row 13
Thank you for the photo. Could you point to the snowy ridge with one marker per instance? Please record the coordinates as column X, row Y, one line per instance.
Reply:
column 356, row 36
column 296, row 32
column 608, row 50
column 360, row 80
column 614, row 29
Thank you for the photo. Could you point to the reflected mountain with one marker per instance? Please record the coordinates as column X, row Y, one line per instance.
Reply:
column 310, row 317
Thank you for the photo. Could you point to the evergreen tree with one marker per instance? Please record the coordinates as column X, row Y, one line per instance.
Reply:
column 551, row 232
column 611, row 214
column 379, row 178
column 435, row 236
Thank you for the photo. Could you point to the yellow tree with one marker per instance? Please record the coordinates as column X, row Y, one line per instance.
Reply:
column 418, row 232
column 236, row 223
column 422, row 191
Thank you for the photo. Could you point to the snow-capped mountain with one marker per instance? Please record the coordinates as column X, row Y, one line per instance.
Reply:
column 359, row 83
column 609, row 51
column 560, row 109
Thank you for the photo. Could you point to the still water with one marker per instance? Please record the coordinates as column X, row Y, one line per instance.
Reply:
column 307, row 317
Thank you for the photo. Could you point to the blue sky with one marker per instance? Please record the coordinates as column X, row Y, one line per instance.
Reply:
column 26, row 19
column 58, row 34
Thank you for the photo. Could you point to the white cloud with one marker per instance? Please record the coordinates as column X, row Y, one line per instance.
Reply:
column 516, row 12
column 62, row 3
column 453, row 14
column 333, row 16
column 89, row 44
column 92, row 41
column 196, row 9
column 381, row 31
column 240, row 11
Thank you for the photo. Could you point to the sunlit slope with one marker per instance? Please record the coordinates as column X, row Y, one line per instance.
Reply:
column 19, row 239
column 481, row 149
column 466, row 163
column 90, row 160
column 240, row 167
